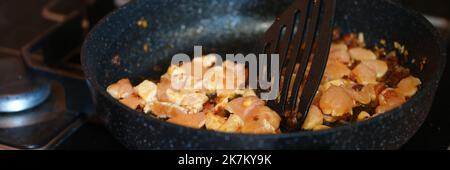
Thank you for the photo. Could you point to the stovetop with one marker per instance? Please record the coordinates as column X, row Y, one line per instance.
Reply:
column 26, row 33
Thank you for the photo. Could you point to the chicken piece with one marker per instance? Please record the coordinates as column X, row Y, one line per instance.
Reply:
column 379, row 88
column 339, row 52
column 390, row 96
column 226, row 93
column 316, row 100
column 363, row 116
column 338, row 47
column 203, row 74
column 171, row 107
column 247, row 93
column 373, row 90
column 314, row 118
column 320, row 127
column 196, row 120
column 388, row 100
column 121, row 89
column 221, row 102
column 336, row 102
column 258, row 127
column 167, row 94
column 408, row 86
column 178, row 76
column 205, row 61
column 379, row 66
column 194, row 85
column 214, row 122
column 262, row 121
column 224, row 96
column 148, row 107
column 244, row 105
column 364, row 96
column 338, row 82
column 167, row 110
column 236, row 92
column 194, row 101
column 198, row 67
column 330, row 119
column 336, row 70
column 147, row 90
column 364, row 74
column 133, row 101
column 361, row 54
column 232, row 125
column 175, row 97
column 340, row 56
column 214, row 79
column 162, row 88
column 264, row 113
column 235, row 75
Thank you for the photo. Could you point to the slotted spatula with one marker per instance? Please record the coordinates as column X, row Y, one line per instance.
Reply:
column 302, row 37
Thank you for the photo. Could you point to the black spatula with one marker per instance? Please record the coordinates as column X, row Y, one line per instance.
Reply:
column 302, row 37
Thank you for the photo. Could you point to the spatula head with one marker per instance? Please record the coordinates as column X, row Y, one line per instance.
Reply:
column 301, row 37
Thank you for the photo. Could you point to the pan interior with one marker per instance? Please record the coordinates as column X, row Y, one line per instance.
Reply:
column 115, row 49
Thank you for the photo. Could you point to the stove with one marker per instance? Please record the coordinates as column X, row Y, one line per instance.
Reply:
column 34, row 113
column 44, row 97
column 45, row 102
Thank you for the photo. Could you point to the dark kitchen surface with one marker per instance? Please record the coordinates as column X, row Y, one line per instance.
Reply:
column 91, row 137
column 19, row 24
column 432, row 7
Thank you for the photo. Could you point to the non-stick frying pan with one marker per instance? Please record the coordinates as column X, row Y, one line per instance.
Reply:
column 114, row 50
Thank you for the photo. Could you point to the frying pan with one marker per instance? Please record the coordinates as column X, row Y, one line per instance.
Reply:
column 114, row 50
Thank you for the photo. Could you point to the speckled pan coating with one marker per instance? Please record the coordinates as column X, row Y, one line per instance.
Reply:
column 233, row 26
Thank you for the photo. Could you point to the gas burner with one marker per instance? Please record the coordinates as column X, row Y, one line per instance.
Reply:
column 26, row 97
column 33, row 112
column 20, row 91
column 53, row 107
column 42, row 127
